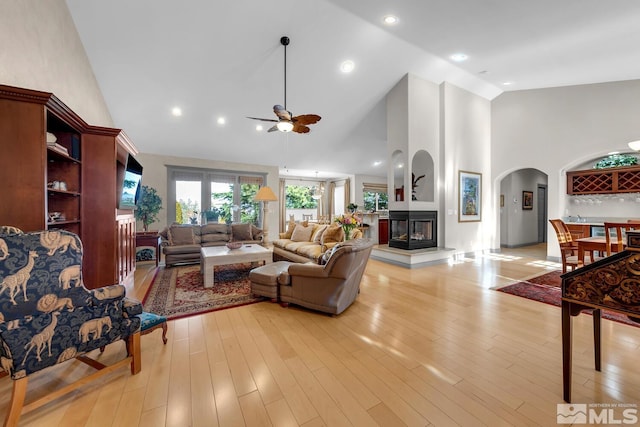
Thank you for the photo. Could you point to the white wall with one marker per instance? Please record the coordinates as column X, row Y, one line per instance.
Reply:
column 555, row 129
column 41, row 50
column 454, row 127
column 155, row 175
column 466, row 145
column 413, row 124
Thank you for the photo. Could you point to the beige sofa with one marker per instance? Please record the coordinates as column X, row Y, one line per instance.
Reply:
column 182, row 243
column 329, row 288
column 304, row 242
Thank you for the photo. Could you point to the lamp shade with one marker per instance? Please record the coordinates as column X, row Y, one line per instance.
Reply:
column 265, row 194
column 635, row 145
column 284, row 126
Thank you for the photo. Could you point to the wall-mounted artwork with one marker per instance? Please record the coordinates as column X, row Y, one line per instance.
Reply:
column 527, row 200
column 469, row 196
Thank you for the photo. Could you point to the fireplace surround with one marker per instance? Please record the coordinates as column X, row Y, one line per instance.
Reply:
column 413, row 229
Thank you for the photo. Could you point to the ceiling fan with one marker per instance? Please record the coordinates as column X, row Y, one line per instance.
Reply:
column 286, row 122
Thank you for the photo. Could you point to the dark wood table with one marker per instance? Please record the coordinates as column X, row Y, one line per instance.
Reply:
column 149, row 238
column 603, row 285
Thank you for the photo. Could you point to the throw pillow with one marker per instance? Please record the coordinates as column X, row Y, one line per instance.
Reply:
column 256, row 233
column 241, row 232
column 333, row 233
column 181, row 235
column 328, row 253
column 302, row 233
column 317, row 232
column 290, row 227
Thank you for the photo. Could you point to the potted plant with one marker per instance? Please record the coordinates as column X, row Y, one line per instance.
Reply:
column 149, row 206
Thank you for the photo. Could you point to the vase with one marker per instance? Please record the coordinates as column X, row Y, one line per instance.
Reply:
column 347, row 231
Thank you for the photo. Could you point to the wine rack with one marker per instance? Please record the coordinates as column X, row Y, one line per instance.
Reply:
column 604, row 181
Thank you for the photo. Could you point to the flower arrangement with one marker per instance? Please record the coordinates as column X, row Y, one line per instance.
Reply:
column 348, row 222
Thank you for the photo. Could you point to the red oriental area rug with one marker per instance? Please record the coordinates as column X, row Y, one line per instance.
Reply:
column 547, row 288
column 179, row 292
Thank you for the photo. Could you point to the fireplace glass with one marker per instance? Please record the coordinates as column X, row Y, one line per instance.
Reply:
column 413, row 229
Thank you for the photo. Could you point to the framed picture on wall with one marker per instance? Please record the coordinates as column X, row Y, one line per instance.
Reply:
column 527, row 200
column 469, row 196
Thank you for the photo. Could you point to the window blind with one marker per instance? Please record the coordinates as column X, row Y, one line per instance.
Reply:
column 373, row 187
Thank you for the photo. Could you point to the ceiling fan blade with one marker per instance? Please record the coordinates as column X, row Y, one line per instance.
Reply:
column 273, row 128
column 307, row 119
column 300, row 128
column 264, row 120
column 282, row 113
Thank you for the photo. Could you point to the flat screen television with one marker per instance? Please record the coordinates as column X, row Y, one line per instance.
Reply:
column 131, row 184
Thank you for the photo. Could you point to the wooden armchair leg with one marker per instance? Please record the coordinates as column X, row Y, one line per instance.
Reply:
column 164, row 333
column 17, row 402
column 133, row 350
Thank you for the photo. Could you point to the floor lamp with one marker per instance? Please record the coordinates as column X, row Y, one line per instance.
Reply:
column 265, row 195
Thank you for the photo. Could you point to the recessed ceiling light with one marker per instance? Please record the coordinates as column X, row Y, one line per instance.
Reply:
column 390, row 19
column 258, row 128
column 221, row 120
column 507, row 83
column 459, row 57
column 176, row 111
column 377, row 163
column 347, row 66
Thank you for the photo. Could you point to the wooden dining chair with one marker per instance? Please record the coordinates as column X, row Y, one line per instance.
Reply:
column 619, row 230
column 568, row 248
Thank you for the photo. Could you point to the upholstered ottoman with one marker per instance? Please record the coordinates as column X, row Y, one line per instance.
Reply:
column 264, row 280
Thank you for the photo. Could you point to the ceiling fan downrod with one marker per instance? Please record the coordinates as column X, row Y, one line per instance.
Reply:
column 284, row 40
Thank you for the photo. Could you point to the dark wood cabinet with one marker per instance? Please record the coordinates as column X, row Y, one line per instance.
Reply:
column 149, row 239
column 604, row 181
column 383, row 231
column 71, row 186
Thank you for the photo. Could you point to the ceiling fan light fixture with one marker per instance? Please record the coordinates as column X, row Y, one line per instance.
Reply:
column 284, row 126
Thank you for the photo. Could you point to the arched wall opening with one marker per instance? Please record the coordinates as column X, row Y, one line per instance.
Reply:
column 523, row 208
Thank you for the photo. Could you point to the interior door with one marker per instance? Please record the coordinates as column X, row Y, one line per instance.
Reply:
column 542, row 213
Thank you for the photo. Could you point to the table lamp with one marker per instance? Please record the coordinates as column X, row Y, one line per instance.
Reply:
column 265, row 195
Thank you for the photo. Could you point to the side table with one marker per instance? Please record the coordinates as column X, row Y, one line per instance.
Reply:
column 149, row 238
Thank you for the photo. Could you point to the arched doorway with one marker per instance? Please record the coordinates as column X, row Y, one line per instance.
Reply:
column 523, row 208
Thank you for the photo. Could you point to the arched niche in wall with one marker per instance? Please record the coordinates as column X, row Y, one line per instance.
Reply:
column 398, row 162
column 422, row 177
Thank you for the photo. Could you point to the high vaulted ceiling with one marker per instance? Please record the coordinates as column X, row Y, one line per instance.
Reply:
column 217, row 59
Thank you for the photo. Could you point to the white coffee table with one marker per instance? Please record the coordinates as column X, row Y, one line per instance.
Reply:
column 221, row 255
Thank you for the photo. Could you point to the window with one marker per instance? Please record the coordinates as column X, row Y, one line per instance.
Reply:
column 188, row 204
column 375, row 197
column 197, row 196
column 300, row 202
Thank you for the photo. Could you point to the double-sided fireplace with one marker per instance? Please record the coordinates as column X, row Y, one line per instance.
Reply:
column 413, row 229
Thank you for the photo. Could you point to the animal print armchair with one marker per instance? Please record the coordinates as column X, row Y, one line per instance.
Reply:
column 47, row 316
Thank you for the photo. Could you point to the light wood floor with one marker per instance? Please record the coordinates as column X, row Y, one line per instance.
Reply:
column 428, row 346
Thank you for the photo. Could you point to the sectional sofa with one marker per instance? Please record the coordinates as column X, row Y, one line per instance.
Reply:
column 304, row 242
column 182, row 243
